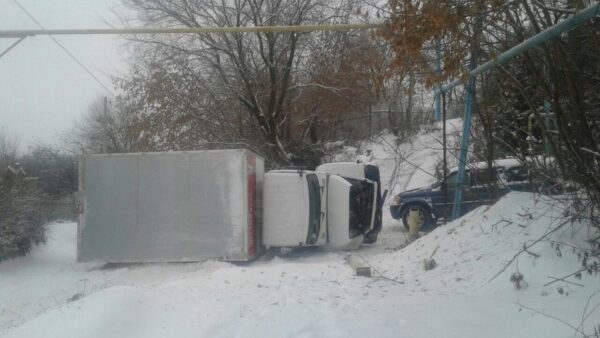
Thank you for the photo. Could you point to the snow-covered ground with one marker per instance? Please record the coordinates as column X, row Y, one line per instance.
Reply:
column 313, row 293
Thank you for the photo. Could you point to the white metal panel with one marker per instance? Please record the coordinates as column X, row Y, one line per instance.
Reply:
column 344, row 169
column 175, row 206
column 338, row 214
column 286, row 208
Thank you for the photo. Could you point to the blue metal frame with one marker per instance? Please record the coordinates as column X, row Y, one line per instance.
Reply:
column 536, row 40
column 464, row 141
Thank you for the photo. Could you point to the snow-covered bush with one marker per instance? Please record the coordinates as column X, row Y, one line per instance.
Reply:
column 22, row 214
column 55, row 175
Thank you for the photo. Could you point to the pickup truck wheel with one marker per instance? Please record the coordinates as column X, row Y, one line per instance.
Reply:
column 424, row 216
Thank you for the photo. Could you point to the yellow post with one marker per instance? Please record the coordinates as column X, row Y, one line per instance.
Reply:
column 413, row 223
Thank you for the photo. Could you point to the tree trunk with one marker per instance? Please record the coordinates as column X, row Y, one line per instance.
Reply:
column 409, row 107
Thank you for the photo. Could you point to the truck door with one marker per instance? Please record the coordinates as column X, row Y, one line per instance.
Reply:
column 338, row 214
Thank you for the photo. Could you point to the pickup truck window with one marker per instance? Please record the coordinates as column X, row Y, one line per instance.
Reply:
column 314, row 201
column 451, row 180
column 482, row 176
column 516, row 174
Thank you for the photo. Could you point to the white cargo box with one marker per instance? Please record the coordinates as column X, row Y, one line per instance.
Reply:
column 170, row 206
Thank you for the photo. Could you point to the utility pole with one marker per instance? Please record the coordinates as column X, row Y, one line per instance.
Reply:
column 105, row 104
column 438, row 71
column 444, row 155
column 105, row 112
column 370, row 111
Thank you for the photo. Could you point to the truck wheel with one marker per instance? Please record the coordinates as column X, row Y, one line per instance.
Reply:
column 424, row 216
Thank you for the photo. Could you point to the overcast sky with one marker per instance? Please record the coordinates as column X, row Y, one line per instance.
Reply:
column 42, row 90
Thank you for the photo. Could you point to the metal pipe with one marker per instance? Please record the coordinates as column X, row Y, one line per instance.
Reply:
column 184, row 30
column 464, row 141
column 534, row 41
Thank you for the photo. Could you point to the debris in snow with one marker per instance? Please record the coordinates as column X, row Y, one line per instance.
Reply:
column 517, row 279
column 358, row 267
column 429, row 264
column 577, row 275
column 434, row 251
column 75, row 297
column 565, row 291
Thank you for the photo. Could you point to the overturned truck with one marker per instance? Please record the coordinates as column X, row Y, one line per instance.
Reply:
column 194, row 205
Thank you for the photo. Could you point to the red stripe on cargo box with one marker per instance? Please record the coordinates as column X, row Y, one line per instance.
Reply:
column 252, row 236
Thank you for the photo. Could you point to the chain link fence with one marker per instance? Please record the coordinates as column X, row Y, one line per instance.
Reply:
column 379, row 118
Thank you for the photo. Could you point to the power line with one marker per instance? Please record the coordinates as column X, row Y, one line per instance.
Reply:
column 12, row 46
column 86, row 69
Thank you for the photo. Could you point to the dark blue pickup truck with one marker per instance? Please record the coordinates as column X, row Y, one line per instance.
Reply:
column 436, row 201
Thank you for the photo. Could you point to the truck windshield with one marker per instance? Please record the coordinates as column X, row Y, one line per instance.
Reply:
column 361, row 206
column 314, row 201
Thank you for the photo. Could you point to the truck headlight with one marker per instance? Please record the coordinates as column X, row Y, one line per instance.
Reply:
column 396, row 200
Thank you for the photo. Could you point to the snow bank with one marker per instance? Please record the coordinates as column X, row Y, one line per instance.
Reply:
column 314, row 294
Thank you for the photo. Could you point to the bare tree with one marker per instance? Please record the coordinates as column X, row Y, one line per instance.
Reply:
column 8, row 150
column 345, row 73
column 106, row 128
column 248, row 77
column 22, row 208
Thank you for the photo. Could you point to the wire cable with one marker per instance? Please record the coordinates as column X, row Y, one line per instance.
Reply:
column 12, row 46
column 86, row 69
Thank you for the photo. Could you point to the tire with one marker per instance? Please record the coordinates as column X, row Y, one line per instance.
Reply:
column 426, row 223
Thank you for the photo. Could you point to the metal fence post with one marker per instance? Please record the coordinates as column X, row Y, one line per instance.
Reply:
column 464, row 141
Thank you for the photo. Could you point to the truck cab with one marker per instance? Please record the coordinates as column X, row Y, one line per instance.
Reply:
column 363, row 176
column 334, row 206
